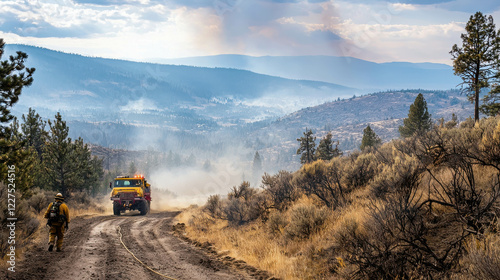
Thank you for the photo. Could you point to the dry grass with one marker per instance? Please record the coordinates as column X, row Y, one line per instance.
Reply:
column 285, row 258
column 483, row 258
column 252, row 243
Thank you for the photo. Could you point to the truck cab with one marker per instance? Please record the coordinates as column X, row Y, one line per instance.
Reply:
column 130, row 193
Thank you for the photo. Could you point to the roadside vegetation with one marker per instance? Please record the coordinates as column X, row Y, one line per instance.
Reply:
column 38, row 160
column 420, row 207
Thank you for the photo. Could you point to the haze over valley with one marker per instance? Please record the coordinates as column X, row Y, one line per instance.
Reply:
column 214, row 112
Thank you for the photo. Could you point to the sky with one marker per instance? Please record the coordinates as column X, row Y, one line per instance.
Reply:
column 151, row 30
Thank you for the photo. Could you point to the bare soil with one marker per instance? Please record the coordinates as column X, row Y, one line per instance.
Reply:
column 92, row 250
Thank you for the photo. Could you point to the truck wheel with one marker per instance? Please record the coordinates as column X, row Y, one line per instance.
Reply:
column 116, row 209
column 144, row 208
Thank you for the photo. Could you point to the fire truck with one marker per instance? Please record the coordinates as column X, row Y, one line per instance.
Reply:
column 130, row 193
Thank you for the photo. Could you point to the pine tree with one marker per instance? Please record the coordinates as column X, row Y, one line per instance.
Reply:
column 14, row 76
column 370, row 138
column 88, row 168
column 325, row 149
column 59, row 158
column 34, row 138
column 33, row 129
column 419, row 119
column 453, row 122
column 307, row 147
column 24, row 160
column 476, row 62
column 256, row 167
column 491, row 102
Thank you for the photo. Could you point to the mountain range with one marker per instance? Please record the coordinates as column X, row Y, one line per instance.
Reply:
column 216, row 112
column 101, row 89
column 348, row 71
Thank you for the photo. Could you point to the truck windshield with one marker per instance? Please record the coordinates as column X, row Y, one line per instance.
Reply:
column 127, row 183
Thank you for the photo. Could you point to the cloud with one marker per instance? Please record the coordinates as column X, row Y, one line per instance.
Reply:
column 149, row 29
column 398, row 7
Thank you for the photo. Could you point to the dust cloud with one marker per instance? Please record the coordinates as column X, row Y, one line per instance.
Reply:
column 180, row 188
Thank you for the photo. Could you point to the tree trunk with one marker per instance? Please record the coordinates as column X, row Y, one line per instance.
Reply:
column 476, row 106
column 478, row 90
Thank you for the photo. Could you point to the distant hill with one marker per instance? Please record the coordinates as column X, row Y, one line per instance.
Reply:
column 346, row 119
column 222, row 112
column 348, row 71
column 98, row 89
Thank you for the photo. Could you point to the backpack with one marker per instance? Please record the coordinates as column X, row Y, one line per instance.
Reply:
column 54, row 214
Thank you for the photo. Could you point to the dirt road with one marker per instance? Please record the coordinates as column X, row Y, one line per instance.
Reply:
column 92, row 250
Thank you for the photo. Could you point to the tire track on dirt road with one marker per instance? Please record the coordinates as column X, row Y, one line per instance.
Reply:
column 92, row 250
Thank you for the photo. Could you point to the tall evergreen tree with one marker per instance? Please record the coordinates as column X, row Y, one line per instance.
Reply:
column 419, row 119
column 256, row 167
column 24, row 160
column 34, row 137
column 33, row 129
column 307, row 147
column 476, row 62
column 325, row 149
column 59, row 158
column 14, row 76
column 370, row 138
column 88, row 169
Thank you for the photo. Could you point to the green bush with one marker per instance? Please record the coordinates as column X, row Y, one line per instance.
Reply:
column 280, row 189
column 40, row 200
column 361, row 170
column 214, row 206
column 276, row 223
column 304, row 221
column 245, row 204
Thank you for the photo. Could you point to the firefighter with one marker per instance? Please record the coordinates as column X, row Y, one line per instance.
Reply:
column 57, row 216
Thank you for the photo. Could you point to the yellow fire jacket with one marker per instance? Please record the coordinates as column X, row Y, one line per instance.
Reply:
column 63, row 210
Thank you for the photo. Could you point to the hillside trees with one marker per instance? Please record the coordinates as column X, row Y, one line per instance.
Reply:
column 256, row 167
column 33, row 130
column 59, row 159
column 325, row 149
column 68, row 165
column 370, row 138
column 307, row 147
column 419, row 119
column 476, row 61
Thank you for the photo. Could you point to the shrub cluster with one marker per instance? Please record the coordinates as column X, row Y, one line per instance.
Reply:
column 304, row 221
column 425, row 198
column 427, row 202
